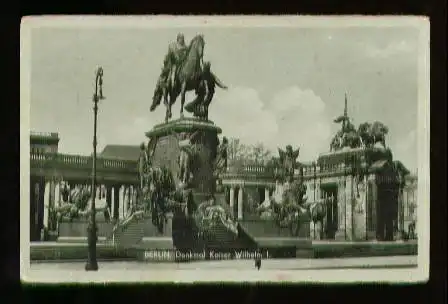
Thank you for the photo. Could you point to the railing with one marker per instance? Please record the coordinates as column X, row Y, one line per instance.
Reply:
column 340, row 168
column 308, row 171
column 249, row 170
column 80, row 162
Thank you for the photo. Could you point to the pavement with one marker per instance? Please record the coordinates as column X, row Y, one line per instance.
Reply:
column 274, row 264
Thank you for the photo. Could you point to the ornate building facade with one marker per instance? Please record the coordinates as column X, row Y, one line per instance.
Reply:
column 376, row 204
column 116, row 179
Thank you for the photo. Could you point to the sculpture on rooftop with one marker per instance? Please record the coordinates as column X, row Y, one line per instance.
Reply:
column 372, row 133
column 365, row 136
column 288, row 163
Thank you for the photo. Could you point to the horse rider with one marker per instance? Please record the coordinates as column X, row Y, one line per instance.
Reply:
column 176, row 54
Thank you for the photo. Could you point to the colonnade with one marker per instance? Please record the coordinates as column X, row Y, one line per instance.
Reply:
column 118, row 199
column 236, row 195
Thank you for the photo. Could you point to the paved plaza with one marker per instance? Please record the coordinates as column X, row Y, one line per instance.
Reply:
column 275, row 264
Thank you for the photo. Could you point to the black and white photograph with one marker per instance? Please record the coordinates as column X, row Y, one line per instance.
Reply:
column 224, row 149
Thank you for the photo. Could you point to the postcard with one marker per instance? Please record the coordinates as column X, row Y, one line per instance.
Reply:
column 224, row 149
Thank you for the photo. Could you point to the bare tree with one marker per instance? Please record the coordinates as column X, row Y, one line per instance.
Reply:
column 234, row 149
column 247, row 154
column 259, row 153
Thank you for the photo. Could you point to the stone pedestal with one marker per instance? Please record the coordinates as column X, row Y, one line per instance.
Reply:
column 165, row 150
column 341, row 234
column 168, row 227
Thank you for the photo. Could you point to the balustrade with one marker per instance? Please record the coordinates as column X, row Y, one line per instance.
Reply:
column 250, row 169
column 80, row 161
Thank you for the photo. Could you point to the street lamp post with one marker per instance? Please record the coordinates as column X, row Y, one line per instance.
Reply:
column 92, row 263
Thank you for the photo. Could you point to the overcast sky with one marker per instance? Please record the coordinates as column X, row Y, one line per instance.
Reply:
column 286, row 85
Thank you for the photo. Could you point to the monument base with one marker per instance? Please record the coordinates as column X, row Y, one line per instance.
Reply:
column 202, row 139
column 340, row 235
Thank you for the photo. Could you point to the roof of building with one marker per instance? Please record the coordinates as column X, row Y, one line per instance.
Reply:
column 400, row 166
column 44, row 137
column 124, row 152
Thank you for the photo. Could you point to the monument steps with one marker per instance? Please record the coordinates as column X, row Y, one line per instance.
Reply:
column 137, row 228
column 266, row 235
column 129, row 234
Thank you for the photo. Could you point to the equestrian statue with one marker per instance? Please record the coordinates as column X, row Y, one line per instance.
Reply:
column 184, row 70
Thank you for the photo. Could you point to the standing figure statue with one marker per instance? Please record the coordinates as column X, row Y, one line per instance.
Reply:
column 347, row 136
column 186, row 146
column 288, row 161
column 205, row 92
column 143, row 163
column 221, row 158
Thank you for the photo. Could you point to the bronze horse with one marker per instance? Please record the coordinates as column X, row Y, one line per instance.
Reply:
column 188, row 78
column 317, row 211
column 289, row 212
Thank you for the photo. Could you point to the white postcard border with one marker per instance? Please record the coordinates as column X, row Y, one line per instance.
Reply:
column 420, row 273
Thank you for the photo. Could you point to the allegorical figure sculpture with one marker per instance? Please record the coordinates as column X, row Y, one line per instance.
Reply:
column 77, row 205
column 143, row 163
column 372, row 133
column 366, row 135
column 205, row 92
column 187, row 151
column 221, row 158
column 288, row 161
column 287, row 206
column 211, row 214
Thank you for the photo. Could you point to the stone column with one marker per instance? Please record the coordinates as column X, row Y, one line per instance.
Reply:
column 57, row 194
column 109, row 201
column 232, row 199
column 112, row 203
column 121, row 202
column 117, row 202
column 47, row 198
column 373, row 206
column 314, row 228
column 359, row 212
column 128, row 198
column 52, row 204
column 350, row 200
column 400, row 213
column 168, row 227
column 134, row 195
column 52, row 193
column 342, row 209
column 126, row 201
column 240, row 203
